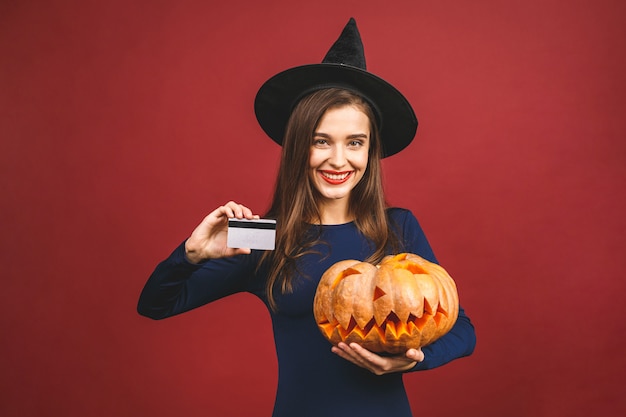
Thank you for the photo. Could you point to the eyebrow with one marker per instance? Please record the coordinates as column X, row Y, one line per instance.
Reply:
column 353, row 136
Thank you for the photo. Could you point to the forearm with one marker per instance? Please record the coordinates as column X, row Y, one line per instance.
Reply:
column 164, row 292
column 177, row 285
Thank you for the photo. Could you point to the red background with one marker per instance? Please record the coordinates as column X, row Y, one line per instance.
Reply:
column 124, row 122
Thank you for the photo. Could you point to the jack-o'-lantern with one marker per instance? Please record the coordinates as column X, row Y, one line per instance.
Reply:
column 403, row 302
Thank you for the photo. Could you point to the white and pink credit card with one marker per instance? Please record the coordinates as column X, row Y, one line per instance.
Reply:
column 254, row 234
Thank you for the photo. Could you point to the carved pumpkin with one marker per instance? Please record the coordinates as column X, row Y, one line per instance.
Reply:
column 404, row 302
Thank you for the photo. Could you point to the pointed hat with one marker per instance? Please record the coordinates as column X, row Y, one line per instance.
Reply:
column 342, row 67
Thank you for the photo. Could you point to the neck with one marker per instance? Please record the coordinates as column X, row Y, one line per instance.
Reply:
column 334, row 212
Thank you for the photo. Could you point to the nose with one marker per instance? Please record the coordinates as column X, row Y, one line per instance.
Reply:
column 337, row 157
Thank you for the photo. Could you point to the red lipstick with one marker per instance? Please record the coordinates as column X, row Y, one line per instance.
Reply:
column 334, row 177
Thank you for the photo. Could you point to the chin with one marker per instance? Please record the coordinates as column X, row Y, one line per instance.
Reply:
column 334, row 194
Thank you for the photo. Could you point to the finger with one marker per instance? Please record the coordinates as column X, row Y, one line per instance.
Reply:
column 234, row 210
column 247, row 213
column 349, row 353
column 380, row 365
column 240, row 211
column 237, row 251
column 217, row 218
column 366, row 355
column 343, row 354
column 415, row 354
column 363, row 357
column 227, row 210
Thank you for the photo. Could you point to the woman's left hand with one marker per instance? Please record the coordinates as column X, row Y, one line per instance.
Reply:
column 376, row 364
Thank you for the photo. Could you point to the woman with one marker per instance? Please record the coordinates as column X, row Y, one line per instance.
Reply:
column 329, row 206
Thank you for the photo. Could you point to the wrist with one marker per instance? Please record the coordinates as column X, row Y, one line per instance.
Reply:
column 192, row 254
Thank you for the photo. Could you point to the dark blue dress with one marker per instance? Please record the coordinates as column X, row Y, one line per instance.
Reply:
column 312, row 381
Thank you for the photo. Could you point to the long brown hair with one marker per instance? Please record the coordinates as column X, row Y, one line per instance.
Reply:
column 294, row 203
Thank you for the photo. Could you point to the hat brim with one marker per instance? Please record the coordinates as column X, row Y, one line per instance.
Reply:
column 278, row 96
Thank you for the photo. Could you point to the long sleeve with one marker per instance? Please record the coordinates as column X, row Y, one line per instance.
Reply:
column 176, row 285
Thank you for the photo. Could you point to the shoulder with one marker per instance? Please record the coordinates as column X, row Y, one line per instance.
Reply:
column 409, row 232
column 403, row 223
column 400, row 217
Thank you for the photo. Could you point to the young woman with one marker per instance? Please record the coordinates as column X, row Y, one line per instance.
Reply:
column 329, row 205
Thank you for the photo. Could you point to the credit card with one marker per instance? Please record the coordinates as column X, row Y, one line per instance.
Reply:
column 254, row 234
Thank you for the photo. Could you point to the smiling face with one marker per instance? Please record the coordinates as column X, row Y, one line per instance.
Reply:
column 339, row 153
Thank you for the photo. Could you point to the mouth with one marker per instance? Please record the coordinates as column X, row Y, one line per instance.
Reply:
column 335, row 178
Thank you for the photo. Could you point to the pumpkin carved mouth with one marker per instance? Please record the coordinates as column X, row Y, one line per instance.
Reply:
column 404, row 302
column 392, row 328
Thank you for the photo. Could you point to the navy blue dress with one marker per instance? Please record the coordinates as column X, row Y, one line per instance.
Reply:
column 312, row 381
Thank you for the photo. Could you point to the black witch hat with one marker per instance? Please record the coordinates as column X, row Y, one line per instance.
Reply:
column 342, row 67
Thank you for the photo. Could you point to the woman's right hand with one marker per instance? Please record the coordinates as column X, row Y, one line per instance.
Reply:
column 208, row 240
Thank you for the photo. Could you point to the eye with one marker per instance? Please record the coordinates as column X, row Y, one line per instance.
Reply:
column 355, row 143
column 320, row 142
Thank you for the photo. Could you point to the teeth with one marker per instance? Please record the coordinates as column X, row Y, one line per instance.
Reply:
column 335, row 176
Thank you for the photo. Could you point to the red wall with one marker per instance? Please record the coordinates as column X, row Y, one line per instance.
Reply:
column 123, row 123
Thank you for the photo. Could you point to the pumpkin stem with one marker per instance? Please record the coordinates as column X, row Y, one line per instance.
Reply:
column 399, row 257
column 346, row 272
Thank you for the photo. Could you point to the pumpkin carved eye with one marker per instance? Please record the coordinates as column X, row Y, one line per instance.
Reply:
column 404, row 302
column 378, row 292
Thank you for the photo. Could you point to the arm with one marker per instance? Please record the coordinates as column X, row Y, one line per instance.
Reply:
column 201, row 270
column 461, row 339
column 177, row 285
column 459, row 342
